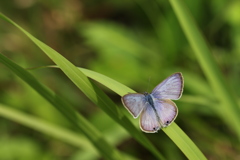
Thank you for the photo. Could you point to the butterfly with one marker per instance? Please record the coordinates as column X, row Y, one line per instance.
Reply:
column 156, row 109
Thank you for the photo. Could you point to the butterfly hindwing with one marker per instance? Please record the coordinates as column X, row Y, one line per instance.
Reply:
column 167, row 111
column 149, row 121
column 134, row 103
column 170, row 88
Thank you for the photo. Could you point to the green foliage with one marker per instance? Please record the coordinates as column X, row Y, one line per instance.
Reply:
column 133, row 43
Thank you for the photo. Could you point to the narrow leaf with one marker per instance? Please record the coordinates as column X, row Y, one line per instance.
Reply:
column 92, row 92
column 229, row 109
column 79, row 122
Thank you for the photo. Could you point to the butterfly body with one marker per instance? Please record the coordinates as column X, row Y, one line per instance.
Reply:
column 149, row 100
column 156, row 110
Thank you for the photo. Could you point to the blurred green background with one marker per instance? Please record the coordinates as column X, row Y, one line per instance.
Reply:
column 138, row 43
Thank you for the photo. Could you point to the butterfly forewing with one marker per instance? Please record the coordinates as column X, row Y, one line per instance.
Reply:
column 167, row 111
column 134, row 102
column 149, row 121
column 170, row 88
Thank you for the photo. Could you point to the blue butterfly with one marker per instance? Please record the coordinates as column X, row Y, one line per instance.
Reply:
column 156, row 109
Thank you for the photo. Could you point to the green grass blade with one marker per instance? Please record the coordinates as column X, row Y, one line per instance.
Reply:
column 79, row 122
column 55, row 131
column 173, row 131
column 228, row 109
column 115, row 86
column 93, row 93
column 183, row 142
column 47, row 128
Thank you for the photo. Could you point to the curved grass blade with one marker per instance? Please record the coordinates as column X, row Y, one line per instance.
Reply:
column 173, row 131
column 229, row 109
column 53, row 130
column 92, row 92
column 121, row 117
column 78, row 121
column 47, row 128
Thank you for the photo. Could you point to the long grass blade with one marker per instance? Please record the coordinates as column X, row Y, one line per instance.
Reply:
column 92, row 92
column 55, row 131
column 228, row 109
column 174, row 132
column 78, row 121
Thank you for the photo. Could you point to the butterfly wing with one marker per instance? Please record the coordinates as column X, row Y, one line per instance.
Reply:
column 149, row 121
column 134, row 103
column 163, row 115
column 170, row 88
column 166, row 110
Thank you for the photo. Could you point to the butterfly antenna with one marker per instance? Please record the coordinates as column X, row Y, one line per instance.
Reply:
column 149, row 78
